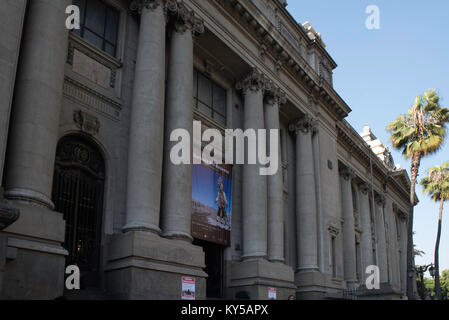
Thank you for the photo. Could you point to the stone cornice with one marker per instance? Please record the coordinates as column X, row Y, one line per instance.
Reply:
column 355, row 144
column 290, row 59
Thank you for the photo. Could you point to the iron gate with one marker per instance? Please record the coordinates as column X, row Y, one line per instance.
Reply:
column 78, row 188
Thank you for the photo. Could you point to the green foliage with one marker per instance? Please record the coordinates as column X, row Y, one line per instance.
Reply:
column 436, row 184
column 423, row 128
column 429, row 285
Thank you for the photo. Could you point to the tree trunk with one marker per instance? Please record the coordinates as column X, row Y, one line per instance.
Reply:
column 437, row 248
column 416, row 161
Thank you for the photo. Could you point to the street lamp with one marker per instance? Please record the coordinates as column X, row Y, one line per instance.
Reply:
column 432, row 271
column 420, row 270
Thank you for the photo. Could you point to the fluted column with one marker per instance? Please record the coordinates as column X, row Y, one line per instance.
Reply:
column 37, row 103
column 275, row 188
column 177, row 179
column 254, row 184
column 306, row 214
column 381, row 239
column 366, row 244
column 349, row 250
column 146, row 138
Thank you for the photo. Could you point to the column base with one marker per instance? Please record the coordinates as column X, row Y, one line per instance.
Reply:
column 35, row 258
column 144, row 266
column 8, row 214
column 145, row 227
column 251, row 279
column 386, row 292
column 311, row 284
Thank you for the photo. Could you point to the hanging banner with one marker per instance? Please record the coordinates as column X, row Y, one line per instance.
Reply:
column 212, row 203
column 211, row 193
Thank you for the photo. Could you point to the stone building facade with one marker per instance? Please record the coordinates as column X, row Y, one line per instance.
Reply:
column 85, row 125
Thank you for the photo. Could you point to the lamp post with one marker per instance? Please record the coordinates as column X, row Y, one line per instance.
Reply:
column 420, row 270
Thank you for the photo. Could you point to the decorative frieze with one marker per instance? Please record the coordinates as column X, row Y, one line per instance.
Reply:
column 91, row 99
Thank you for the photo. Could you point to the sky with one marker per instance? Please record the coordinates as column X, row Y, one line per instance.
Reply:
column 381, row 71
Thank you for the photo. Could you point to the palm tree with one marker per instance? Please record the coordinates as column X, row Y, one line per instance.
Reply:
column 418, row 133
column 436, row 184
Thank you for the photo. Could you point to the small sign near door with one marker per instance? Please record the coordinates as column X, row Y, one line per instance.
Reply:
column 188, row 288
column 271, row 293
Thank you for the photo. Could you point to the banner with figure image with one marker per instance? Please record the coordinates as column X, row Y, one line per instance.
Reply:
column 212, row 203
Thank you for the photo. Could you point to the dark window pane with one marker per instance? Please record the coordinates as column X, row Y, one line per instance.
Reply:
column 219, row 100
column 206, row 110
column 112, row 26
column 93, row 39
column 205, row 90
column 96, row 16
column 220, row 119
column 109, row 49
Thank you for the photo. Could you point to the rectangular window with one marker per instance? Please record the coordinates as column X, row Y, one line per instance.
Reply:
column 99, row 24
column 209, row 98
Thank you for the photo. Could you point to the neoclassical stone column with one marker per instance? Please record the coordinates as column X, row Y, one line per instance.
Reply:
column 366, row 244
column 403, row 223
column 349, row 250
column 177, row 179
column 37, row 103
column 146, row 137
column 254, row 193
column 306, row 213
column 381, row 239
column 275, row 97
column 319, row 202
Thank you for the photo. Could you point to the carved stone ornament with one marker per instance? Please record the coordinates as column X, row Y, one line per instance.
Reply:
column 380, row 199
column 86, row 122
column 138, row 5
column 347, row 173
column 364, row 188
column 184, row 19
column 303, row 125
column 254, row 81
column 275, row 95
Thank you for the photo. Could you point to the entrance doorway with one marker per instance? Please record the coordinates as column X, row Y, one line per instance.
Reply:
column 214, row 268
column 78, row 187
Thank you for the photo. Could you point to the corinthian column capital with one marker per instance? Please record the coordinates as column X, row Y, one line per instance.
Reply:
column 304, row 125
column 254, row 81
column 138, row 5
column 364, row 188
column 184, row 19
column 275, row 95
column 380, row 199
column 347, row 173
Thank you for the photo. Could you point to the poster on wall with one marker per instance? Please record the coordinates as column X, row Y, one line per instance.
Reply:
column 187, row 288
column 271, row 293
column 212, row 203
